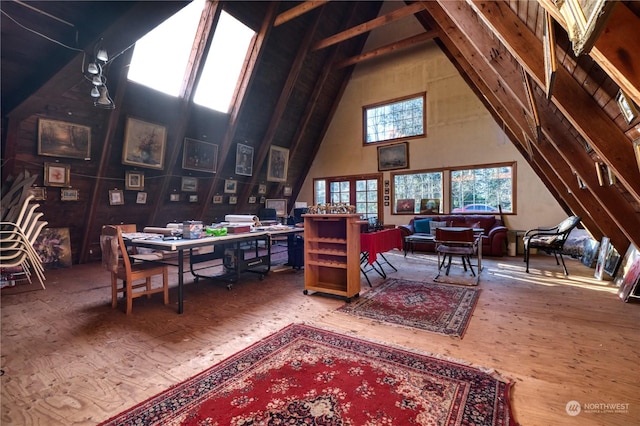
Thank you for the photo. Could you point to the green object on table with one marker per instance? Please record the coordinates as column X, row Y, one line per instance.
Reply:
column 220, row 232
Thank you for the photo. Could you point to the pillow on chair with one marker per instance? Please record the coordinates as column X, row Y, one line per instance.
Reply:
column 422, row 226
column 435, row 225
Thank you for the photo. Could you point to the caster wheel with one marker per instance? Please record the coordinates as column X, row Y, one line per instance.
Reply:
column 195, row 280
column 305, row 292
column 348, row 300
column 357, row 295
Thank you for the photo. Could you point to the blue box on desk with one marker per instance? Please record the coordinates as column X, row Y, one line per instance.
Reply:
column 192, row 229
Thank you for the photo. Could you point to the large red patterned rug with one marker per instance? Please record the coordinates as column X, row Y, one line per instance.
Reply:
column 303, row 375
column 440, row 308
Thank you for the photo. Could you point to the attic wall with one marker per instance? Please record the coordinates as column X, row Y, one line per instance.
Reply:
column 460, row 131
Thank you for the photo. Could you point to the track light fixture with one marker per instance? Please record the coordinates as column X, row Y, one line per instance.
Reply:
column 94, row 73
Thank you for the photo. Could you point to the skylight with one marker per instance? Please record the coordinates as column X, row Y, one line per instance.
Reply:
column 173, row 40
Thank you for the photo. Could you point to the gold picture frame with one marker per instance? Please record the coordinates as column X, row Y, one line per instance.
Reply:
column 280, row 206
column 39, row 193
column 627, row 107
column 133, row 180
column 57, row 174
column 63, row 139
column 550, row 62
column 278, row 164
column 116, row 197
column 217, row 199
column 636, row 150
column 144, row 144
column 585, row 20
column 199, row 155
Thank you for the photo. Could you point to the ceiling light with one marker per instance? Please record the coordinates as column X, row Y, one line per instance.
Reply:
column 95, row 93
column 102, row 55
column 93, row 68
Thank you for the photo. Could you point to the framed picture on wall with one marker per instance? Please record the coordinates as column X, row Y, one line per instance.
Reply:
column 56, row 174
column 199, row 155
column 141, row 198
column 62, row 139
column 627, row 107
column 116, row 197
column 262, row 189
column 39, row 193
column 279, row 205
column 133, row 180
column 144, row 144
column 233, row 199
column 278, row 164
column 68, row 194
column 244, row 160
column 217, row 199
column 230, row 186
column 189, row 184
column 392, row 157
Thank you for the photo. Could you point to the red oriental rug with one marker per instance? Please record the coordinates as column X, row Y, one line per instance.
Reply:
column 305, row 375
column 440, row 308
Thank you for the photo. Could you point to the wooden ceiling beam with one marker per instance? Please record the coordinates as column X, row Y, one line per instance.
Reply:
column 389, row 48
column 368, row 26
column 298, row 10
column 264, row 145
column 256, row 51
column 471, row 49
column 616, row 46
column 582, row 111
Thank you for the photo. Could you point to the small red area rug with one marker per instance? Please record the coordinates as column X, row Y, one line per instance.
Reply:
column 440, row 308
column 303, row 375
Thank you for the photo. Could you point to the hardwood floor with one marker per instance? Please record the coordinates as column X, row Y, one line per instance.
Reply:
column 69, row 359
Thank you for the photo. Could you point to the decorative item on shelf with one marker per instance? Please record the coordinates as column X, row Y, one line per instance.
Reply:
column 95, row 74
column 68, row 194
column 116, row 197
column 133, row 180
column 57, row 174
column 338, row 208
column 230, row 186
column 141, row 198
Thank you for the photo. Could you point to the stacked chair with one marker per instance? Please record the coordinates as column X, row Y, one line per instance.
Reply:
column 19, row 228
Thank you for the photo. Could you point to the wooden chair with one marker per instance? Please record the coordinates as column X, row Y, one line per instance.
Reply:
column 455, row 242
column 116, row 260
column 551, row 240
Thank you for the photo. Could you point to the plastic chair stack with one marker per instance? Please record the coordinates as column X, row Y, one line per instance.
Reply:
column 19, row 228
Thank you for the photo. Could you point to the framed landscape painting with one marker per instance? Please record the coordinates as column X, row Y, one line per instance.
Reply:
column 62, row 139
column 144, row 144
column 393, row 157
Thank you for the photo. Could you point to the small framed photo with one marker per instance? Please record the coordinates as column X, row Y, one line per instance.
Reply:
column 141, row 198
column 189, row 184
column 62, row 139
column 116, row 197
column 627, row 107
column 233, row 199
column 133, row 180
column 287, row 191
column 199, row 155
column 230, row 186
column 386, row 203
column 39, row 193
column 263, row 200
column 56, row 174
column 68, row 194
column 144, row 144
column 278, row 164
column 636, row 150
column 279, row 205
column 262, row 189
column 406, row 205
column 217, row 199
column 193, row 198
column 174, row 197
column 252, row 200
column 392, row 157
column 244, row 160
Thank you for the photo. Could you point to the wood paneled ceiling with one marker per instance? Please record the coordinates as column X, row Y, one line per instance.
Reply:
column 305, row 53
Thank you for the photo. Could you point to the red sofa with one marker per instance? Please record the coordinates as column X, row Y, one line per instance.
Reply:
column 494, row 238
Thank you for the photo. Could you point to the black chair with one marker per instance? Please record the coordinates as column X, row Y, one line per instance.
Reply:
column 456, row 242
column 551, row 240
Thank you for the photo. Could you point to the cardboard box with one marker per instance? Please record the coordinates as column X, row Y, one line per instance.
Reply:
column 192, row 229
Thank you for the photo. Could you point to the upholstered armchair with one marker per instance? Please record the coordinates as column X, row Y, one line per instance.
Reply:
column 550, row 240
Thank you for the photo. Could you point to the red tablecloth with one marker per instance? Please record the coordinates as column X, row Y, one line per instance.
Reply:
column 380, row 242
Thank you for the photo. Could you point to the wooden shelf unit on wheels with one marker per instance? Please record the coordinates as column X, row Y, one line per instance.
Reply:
column 332, row 254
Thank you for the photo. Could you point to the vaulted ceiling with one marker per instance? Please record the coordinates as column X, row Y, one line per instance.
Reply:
column 304, row 54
